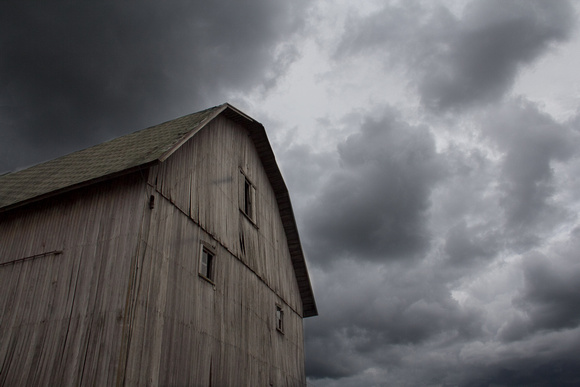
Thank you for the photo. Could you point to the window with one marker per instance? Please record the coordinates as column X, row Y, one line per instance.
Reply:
column 247, row 197
column 248, row 202
column 206, row 263
column 279, row 319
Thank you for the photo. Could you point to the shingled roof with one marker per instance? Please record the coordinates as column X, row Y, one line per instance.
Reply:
column 147, row 147
column 108, row 158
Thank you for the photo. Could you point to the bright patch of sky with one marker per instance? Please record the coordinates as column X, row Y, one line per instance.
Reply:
column 553, row 81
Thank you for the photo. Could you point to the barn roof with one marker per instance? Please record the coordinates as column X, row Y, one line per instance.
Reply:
column 146, row 147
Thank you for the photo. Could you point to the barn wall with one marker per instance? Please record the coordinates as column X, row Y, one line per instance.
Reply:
column 206, row 170
column 228, row 328
column 64, row 265
column 186, row 328
column 100, row 289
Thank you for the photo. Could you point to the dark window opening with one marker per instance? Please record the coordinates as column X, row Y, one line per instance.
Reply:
column 248, row 202
column 242, row 244
column 247, row 197
column 206, row 264
column 279, row 319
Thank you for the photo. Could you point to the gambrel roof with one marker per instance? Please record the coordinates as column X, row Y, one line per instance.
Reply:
column 147, row 147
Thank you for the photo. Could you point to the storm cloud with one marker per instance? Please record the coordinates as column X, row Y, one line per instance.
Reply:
column 455, row 61
column 531, row 143
column 374, row 206
column 76, row 74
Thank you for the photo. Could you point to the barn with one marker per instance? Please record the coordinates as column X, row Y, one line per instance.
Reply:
column 166, row 257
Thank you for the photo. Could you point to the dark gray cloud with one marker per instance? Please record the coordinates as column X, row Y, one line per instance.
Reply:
column 374, row 207
column 548, row 360
column 75, row 74
column 466, row 214
column 461, row 62
column 402, row 326
column 398, row 318
column 466, row 245
column 494, row 40
column 465, row 313
column 552, row 293
column 549, row 299
column 531, row 144
column 307, row 171
column 373, row 313
column 510, row 201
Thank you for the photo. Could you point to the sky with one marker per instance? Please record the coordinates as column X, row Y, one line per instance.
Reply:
column 431, row 150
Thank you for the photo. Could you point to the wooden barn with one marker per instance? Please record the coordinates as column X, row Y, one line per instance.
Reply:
column 166, row 257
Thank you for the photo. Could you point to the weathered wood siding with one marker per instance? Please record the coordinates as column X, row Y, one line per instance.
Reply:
column 185, row 329
column 228, row 330
column 100, row 289
column 64, row 265
column 201, row 179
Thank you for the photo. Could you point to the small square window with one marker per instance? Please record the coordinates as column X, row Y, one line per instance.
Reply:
column 279, row 319
column 206, row 263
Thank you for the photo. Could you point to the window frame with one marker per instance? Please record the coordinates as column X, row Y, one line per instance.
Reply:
column 247, row 197
column 279, row 318
column 207, row 250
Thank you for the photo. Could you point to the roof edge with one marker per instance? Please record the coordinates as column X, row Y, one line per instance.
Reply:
column 267, row 157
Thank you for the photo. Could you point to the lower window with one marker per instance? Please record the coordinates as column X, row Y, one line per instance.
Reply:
column 279, row 319
column 206, row 263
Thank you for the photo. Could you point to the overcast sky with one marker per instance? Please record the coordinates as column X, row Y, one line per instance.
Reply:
column 431, row 149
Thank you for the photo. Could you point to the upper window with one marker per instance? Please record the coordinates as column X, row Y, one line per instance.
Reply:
column 247, row 197
column 206, row 263
column 279, row 318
